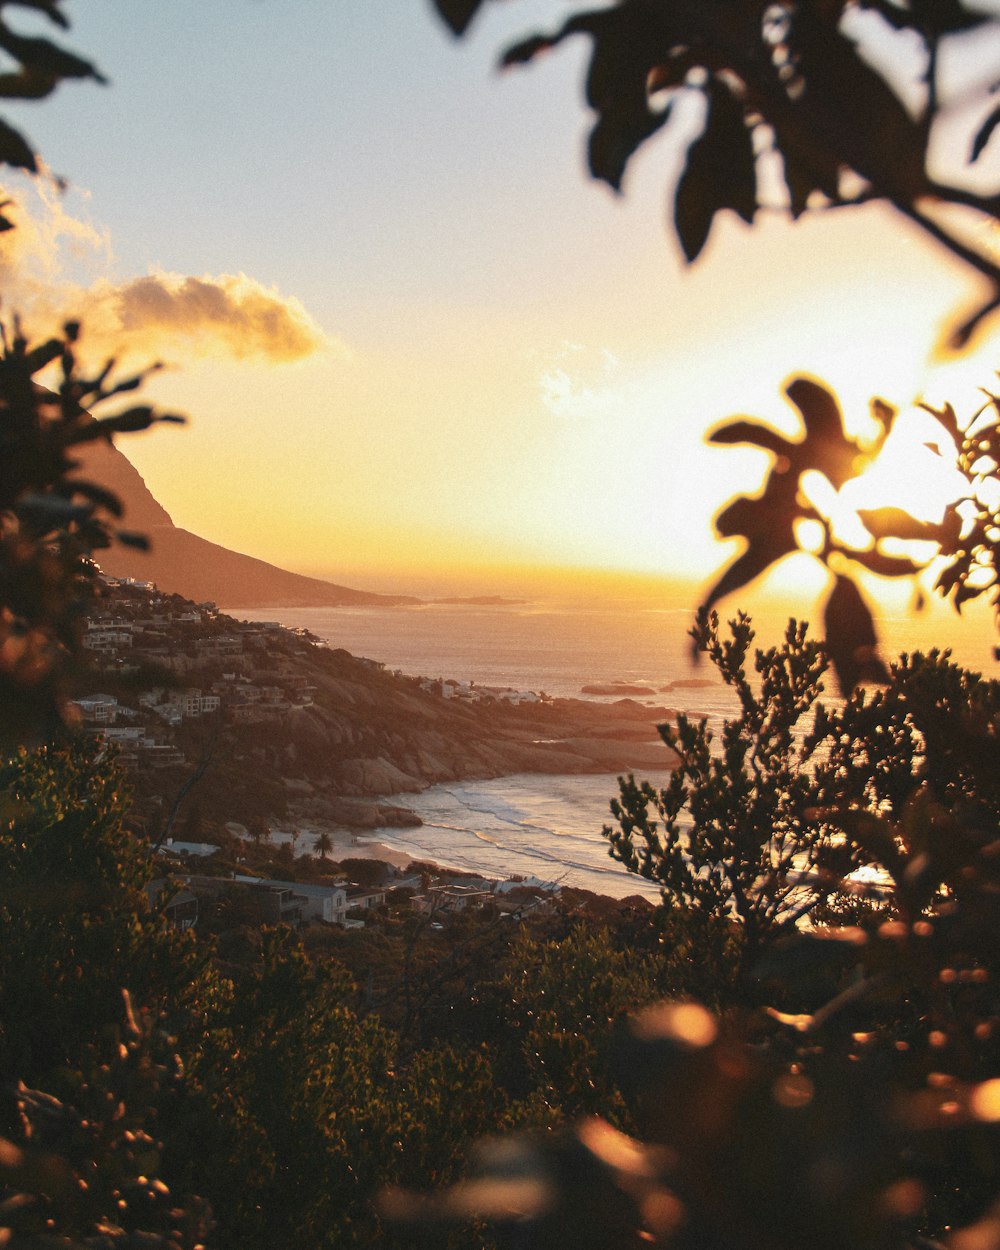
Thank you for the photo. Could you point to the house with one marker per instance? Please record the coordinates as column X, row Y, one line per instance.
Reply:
column 181, row 907
column 315, row 902
column 198, row 850
column 101, row 709
column 359, row 898
column 452, row 898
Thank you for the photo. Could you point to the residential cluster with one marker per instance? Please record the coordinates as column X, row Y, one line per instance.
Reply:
column 476, row 692
column 436, row 894
column 138, row 633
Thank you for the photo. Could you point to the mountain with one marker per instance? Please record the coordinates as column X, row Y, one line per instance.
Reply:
column 180, row 562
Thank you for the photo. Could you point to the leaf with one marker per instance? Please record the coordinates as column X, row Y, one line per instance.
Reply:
column 720, row 172
column 753, row 432
column 825, row 447
column 851, row 638
column 984, row 134
column 820, row 411
column 30, row 83
column 43, row 355
column 458, row 13
column 885, row 565
column 129, row 421
column 526, row 50
column 100, row 496
column 946, row 417
column 746, row 568
column 46, row 57
column 849, row 108
column 130, row 538
column 616, row 136
column 895, row 523
column 15, row 150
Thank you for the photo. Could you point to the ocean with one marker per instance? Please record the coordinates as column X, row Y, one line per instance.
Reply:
column 529, row 825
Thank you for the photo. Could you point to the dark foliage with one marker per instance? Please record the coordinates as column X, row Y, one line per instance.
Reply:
column 779, row 81
column 858, row 1103
column 51, row 522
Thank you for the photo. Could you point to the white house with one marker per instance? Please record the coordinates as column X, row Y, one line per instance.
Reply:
column 317, row 902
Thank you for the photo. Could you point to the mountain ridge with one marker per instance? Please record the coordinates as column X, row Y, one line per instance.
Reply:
column 183, row 563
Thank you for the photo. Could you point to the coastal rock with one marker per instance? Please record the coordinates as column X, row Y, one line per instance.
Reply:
column 377, row 776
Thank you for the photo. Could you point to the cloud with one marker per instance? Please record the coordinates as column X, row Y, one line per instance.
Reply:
column 580, row 382
column 228, row 314
column 53, row 267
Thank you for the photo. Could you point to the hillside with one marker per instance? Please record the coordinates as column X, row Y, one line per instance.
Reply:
column 284, row 722
column 183, row 563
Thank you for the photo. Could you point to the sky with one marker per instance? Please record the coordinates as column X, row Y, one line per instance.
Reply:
column 414, row 340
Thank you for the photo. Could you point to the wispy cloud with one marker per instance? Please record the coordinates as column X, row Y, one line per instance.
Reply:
column 579, row 383
column 53, row 266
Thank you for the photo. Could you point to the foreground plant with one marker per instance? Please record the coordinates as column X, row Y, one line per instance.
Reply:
column 849, row 1092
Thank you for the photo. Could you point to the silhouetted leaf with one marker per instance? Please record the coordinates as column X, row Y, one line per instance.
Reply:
column 746, row 567
column 895, row 523
column 458, row 13
column 946, row 416
column 819, row 408
column 30, row 83
column 51, row 511
column 99, row 495
column 616, row 137
column 720, row 172
column 130, row 538
column 43, row 355
column 848, row 108
column 47, row 57
column 754, row 433
column 825, row 447
column 526, row 50
column 15, row 150
column 984, row 134
column 886, row 565
column 851, row 638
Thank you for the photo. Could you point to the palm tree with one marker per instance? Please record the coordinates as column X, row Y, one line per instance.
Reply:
column 324, row 845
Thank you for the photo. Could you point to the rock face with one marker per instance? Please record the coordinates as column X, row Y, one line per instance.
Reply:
column 181, row 563
column 370, row 733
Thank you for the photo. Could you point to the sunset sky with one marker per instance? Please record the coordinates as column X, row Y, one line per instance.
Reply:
column 412, row 337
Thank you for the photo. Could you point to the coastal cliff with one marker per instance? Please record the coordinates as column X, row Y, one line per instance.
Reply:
column 282, row 725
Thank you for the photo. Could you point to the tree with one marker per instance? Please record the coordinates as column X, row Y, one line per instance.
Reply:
column 735, row 837
column 324, row 845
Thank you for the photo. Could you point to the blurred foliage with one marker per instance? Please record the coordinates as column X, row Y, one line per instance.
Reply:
column 51, row 522
column 809, row 107
column 785, row 93
column 75, row 923
column 33, row 68
column 304, row 1112
column 84, row 1169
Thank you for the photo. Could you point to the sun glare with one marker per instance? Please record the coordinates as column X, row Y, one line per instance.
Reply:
column 914, row 471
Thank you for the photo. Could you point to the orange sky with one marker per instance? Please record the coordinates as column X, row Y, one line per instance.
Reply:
column 413, row 339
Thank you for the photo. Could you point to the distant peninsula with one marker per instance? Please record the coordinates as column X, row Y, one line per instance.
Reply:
column 481, row 601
